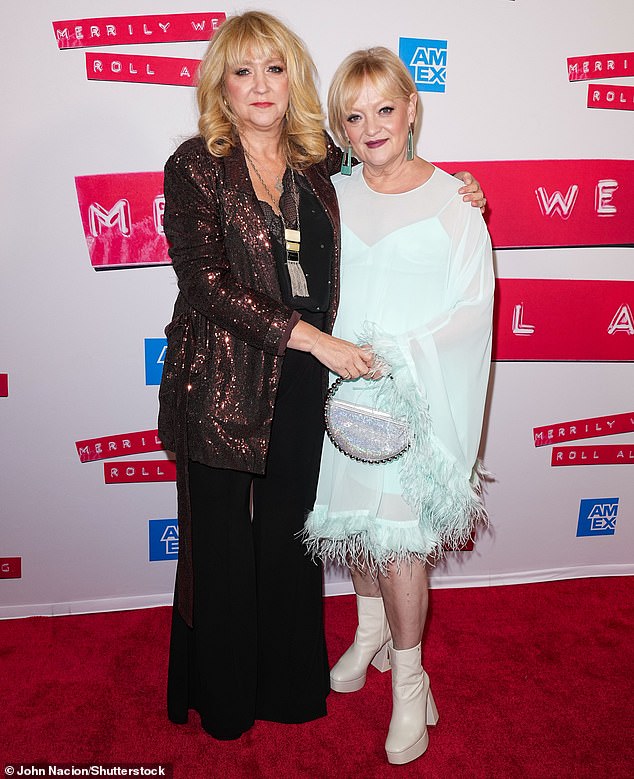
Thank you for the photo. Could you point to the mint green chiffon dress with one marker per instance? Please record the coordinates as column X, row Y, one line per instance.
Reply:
column 417, row 284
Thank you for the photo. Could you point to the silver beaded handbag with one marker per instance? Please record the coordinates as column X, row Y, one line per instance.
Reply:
column 362, row 433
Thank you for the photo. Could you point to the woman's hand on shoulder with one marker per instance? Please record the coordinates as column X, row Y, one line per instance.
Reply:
column 471, row 191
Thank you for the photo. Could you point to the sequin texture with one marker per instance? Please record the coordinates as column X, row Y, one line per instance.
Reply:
column 229, row 329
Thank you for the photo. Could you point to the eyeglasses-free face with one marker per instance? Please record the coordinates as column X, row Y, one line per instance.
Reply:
column 377, row 127
column 257, row 91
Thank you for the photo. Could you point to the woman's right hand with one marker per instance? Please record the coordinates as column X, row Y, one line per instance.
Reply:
column 342, row 357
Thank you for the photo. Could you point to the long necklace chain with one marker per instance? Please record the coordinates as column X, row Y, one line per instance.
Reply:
column 279, row 186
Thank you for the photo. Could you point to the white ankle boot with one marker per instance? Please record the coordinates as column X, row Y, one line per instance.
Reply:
column 369, row 646
column 413, row 707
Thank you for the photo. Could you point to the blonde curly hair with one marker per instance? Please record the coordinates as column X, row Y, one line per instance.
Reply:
column 258, row 34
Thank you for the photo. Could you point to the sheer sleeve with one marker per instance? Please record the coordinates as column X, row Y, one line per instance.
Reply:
column 449, row 356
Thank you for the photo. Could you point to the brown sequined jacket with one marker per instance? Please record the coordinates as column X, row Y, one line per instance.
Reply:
column 229, row 329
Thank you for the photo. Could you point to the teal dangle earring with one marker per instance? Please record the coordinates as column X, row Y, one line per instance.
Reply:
column 410, row 143
column 346, row 162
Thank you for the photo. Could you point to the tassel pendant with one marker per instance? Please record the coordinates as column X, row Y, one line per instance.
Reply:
column 299, row 287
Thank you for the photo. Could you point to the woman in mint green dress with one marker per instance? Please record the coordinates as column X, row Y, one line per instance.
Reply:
column 417, row 286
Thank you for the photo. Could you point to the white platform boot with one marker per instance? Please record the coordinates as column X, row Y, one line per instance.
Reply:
column 369, row 646
column 413, row 707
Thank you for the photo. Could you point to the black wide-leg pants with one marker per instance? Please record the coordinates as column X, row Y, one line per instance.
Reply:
column 257, row 648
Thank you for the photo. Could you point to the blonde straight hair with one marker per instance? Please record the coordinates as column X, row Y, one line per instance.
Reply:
column 259, row 34
column 378, row 65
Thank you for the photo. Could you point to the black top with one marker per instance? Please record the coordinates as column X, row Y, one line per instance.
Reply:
column 317, row 244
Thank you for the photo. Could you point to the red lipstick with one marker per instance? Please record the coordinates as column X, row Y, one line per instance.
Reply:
column 375, row 144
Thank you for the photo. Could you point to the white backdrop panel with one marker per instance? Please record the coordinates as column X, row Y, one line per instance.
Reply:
column 73, row 338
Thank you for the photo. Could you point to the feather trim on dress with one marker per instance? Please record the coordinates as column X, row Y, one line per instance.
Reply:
column 447, row 504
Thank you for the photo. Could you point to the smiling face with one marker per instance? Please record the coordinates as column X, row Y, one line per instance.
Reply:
column 377, row 127
column 257, row 91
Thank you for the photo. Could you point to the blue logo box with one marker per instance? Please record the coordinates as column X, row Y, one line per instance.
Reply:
column 154, row 359
column 163, row 539
column 426, row 60
column 597, row 517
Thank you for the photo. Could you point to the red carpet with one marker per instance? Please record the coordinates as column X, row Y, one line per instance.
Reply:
column 530, row 681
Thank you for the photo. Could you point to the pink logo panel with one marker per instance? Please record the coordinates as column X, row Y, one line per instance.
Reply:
column 108, row 31
column 564, row 320
column 534, row 203
column 138, row 471
column 140, row 69
column 544, row 203
column 612, row 96
column 603, row 454
column 594, row 66
column 592, row 427
column 122, row 216
column 10, row 567
column 118, row 445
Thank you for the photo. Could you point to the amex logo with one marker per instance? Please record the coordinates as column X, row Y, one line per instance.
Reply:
column 163, row 538
column 597, row 517
column 426, row 60
column 155, row 349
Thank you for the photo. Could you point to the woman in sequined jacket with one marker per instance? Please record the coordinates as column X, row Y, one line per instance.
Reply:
column 253, row 225
column 243, row 381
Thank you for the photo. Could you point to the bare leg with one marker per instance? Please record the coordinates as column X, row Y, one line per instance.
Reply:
column 364, row 583
column 404, row 592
